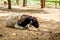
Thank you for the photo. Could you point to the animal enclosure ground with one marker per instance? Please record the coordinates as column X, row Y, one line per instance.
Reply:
column 49, row 21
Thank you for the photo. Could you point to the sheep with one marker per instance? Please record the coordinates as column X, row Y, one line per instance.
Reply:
column 22, row 21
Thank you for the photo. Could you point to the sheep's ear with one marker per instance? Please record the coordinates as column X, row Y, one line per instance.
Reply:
column 35, row 24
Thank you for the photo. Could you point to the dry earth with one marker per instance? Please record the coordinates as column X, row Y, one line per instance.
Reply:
column 49, row 29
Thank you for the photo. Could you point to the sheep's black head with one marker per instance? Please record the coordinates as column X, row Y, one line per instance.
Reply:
column 33, row 21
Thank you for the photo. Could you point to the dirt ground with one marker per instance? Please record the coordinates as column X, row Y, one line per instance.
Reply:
column 49, row 21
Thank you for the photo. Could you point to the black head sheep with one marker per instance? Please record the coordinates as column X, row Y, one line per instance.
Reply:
column 21, row 21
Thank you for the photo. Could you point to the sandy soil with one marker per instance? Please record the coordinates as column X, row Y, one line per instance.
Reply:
column 49, row 29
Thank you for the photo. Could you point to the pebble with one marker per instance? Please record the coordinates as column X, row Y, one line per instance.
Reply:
column 14, row 34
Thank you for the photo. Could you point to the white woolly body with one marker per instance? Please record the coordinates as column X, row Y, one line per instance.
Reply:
column 12, row 19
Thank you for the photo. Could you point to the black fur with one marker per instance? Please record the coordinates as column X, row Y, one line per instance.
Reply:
column 27, row 20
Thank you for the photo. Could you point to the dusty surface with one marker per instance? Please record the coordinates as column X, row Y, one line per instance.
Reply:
column 49, row 29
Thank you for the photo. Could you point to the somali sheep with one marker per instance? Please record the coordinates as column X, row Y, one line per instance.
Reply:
column 22, row 21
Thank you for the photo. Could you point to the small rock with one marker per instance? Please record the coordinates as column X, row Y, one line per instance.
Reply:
column 50, row 31
column 14, row 34
column 37, row 38
column 1, row 35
